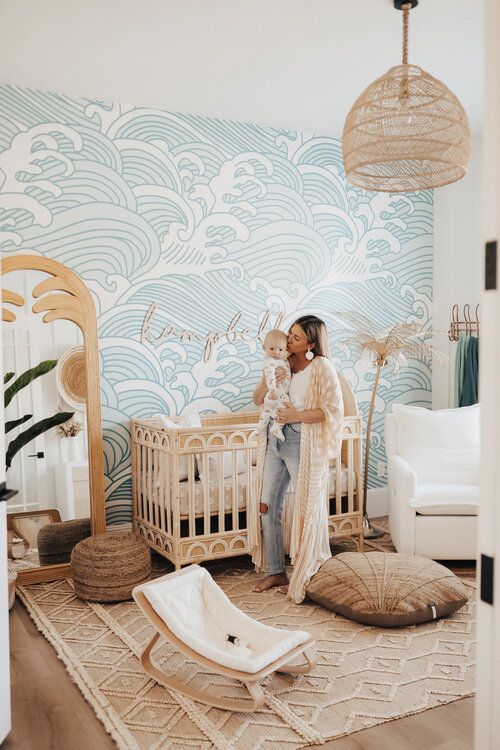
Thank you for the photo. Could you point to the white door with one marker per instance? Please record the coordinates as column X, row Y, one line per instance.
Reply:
column 28, row 471
column 487, row 719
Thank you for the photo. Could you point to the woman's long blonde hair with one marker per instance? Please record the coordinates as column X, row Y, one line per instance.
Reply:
column 316, row 333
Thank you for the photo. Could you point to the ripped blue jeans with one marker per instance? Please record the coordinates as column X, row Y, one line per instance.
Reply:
column 281, row 466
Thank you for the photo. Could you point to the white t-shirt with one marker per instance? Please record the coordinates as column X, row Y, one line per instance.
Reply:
column 299, row 387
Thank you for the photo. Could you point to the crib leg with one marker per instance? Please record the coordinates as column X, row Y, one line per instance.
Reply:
column 301, row 668
column 172, row 683
column 360, row 543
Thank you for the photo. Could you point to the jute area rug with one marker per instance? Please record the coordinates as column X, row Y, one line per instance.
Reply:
column 365, row 675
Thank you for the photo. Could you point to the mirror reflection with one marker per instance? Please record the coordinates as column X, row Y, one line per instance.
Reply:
column 48, row 450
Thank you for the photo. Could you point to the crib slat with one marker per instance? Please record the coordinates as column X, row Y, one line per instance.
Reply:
column 221, row 491
column 350, row 494
column 338, row 482
column 160, row 483
column 135, row 474
column 206, row 493
column 157, row 485
column 168, row 492
column 174, row 494
column 191, row 496
column 235, row 486
column 137, row 466
column 149, row 475
column 143, row 482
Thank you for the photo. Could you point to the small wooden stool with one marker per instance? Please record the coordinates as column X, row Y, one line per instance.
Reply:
column 106, row 567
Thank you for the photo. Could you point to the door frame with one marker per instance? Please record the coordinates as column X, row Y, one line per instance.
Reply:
column 487, row 715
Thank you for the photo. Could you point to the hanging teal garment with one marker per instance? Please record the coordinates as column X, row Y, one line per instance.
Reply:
column 460, row 357
column 469, row 393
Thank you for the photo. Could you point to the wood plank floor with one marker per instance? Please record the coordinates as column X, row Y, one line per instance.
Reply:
column 50, row 713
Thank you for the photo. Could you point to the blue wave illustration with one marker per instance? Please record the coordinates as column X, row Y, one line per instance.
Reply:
column 204, row 218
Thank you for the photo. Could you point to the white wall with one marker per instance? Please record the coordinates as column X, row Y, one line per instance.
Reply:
column 458, row 264
column 287, row 63
column 292, row 64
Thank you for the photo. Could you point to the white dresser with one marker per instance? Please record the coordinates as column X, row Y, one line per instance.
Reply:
column 72, row 489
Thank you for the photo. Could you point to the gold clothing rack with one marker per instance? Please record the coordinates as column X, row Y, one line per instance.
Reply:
column 464, row 323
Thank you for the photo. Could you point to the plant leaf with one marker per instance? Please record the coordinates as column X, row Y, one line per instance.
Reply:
column 27, row 377
column 16, row 422
column 8, row 376
column 33, row 432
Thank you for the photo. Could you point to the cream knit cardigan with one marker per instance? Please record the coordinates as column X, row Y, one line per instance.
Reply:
column 319, row 442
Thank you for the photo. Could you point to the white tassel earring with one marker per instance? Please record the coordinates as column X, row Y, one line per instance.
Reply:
column 309, row 354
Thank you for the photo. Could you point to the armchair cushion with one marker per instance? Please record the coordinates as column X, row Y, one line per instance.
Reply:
column 446, row 499
column 442, row 446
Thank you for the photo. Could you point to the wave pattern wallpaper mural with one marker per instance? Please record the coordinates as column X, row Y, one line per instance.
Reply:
column 178, row 223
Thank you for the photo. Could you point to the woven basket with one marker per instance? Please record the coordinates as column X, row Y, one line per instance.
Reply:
column 106, row 567
column 71, row 377
column 12, row 587
column 56, row 541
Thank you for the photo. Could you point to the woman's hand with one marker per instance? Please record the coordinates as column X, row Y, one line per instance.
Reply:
column 280, row 374
column 287, row 415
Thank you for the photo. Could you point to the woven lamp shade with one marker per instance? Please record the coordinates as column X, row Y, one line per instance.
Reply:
column 407, row 131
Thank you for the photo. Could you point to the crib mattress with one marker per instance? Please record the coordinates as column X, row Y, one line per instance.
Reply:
column 198, row 495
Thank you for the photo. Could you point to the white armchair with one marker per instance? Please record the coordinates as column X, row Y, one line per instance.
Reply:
column 433, row 472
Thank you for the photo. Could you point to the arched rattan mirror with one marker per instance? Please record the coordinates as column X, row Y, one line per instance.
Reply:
column 64, row 296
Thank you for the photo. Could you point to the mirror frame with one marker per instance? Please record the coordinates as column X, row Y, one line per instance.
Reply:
column 75, row 303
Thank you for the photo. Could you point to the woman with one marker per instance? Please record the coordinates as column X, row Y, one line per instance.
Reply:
column 312, row 428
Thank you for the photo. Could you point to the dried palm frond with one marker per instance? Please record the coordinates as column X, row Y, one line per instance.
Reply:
column 394, row 344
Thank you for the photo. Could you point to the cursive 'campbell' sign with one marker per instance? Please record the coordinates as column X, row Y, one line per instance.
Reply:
column 211, row 338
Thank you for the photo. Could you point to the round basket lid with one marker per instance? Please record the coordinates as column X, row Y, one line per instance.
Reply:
column 71, row 375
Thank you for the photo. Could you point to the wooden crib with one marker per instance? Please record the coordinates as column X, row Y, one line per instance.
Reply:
column 190, row 486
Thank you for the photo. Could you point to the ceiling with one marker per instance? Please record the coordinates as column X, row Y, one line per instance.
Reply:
column 296, row 64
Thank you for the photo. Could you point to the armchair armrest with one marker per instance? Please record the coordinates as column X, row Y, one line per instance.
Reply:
column 402, row 478
column 402, row 489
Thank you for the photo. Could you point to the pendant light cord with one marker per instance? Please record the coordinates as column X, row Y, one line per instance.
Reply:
column 404, row 81
column 406, row 17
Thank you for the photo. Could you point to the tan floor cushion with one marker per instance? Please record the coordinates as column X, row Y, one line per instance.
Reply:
column 386, row 589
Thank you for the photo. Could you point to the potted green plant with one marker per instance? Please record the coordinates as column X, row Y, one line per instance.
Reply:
column 32, row 432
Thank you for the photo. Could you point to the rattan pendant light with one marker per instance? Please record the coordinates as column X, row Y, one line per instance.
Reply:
column 407, row 131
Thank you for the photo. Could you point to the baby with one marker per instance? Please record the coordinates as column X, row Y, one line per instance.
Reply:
column 274, row 346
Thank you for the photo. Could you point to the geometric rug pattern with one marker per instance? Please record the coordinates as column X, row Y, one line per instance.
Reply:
column 365, row 675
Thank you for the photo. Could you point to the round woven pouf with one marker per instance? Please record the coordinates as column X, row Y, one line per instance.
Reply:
column 106, row 567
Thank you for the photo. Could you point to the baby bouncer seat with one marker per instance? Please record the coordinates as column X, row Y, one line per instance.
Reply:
column 190, row 610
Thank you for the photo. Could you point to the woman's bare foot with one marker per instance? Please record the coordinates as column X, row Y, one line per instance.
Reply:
column 279, row 579
column 283, row 589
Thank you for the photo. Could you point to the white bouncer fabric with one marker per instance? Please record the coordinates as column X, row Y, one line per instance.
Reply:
column 199, row 613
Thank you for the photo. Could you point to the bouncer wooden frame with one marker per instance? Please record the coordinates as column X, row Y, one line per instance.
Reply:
column 250, row 680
